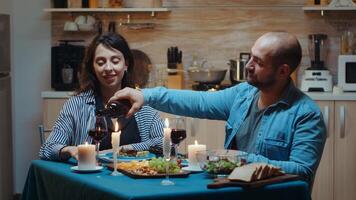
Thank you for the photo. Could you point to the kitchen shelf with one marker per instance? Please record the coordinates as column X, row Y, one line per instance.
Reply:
column 327, row 8
column 106, row 10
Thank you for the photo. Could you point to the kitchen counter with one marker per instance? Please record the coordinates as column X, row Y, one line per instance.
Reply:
column 346, row 96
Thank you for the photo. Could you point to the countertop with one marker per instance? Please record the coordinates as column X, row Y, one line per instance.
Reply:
column 345, row 96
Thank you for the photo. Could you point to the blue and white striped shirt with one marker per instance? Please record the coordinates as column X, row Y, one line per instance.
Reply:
column 72, row 126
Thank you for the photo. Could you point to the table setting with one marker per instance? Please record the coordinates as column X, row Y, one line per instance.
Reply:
column 116, row 174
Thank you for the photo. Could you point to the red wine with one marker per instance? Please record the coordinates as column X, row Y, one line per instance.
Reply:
column 97, row 135
column 178, row 135
column 115, row 109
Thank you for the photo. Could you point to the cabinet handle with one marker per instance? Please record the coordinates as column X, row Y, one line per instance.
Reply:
column 326, row 120
column 342, row 121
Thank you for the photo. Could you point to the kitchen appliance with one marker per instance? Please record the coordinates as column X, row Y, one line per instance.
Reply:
column 66, row 61
column 346, row 72
column 6, row 179
column 317, row 77
column 237, row 68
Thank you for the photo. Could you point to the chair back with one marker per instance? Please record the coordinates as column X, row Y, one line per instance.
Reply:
column 42, row 133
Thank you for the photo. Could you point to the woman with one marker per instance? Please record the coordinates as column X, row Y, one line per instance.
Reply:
column 107, row 67
column 142, row 68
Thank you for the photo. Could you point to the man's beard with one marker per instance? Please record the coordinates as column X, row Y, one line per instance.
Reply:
column 268, row 82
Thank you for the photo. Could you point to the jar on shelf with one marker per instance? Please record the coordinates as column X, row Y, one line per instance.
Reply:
column 347, row 42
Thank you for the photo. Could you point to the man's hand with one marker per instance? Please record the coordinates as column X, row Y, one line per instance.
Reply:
column 134, row 96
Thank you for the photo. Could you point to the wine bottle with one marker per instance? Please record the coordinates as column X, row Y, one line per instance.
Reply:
column 115, row 109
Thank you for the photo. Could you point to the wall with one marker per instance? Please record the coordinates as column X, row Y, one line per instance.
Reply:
column 31, row 75
column 218, row 30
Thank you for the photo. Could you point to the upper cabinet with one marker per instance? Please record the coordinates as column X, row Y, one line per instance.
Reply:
column 334, row 5
column 106, row 10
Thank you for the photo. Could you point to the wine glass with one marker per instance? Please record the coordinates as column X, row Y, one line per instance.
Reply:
column 167, row 155
column 178, row 133
column 98, row 132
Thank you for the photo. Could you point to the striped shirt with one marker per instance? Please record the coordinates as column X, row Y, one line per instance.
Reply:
column 74, row 121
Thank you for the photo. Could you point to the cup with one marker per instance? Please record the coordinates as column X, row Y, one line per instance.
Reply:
column 86, row 157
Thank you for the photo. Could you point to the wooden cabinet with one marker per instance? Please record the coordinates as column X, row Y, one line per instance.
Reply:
column 336, row 175
column 345, row 151
column 51, row 109
column 323, row 183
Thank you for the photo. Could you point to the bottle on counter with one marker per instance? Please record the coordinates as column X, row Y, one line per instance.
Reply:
column 115, row 109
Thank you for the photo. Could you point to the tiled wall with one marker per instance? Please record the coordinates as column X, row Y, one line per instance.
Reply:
column 217, row 30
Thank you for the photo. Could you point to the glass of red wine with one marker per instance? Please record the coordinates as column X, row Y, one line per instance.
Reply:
column 98, row 132
column 178, row 133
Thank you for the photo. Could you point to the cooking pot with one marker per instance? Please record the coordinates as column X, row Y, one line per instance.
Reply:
column 207, row 75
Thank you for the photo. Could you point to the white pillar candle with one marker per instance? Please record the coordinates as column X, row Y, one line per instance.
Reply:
column 86, row 156
column 115, row 138
column 167, row 140
column 192, row 157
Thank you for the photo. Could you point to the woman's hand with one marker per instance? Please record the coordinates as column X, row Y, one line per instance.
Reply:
column 134, row 96
column 69, row 151
column 126, row 148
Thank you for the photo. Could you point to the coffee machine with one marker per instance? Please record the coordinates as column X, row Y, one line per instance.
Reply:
column 317, row 77
column 66, row 60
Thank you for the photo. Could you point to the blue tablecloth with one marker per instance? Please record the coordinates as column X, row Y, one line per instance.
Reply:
column 48, row 180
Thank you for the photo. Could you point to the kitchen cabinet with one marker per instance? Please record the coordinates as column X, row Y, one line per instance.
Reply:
column 336, row 175
column 51, row 109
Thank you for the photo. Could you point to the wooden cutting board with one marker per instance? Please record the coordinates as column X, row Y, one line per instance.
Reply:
column 224, row 182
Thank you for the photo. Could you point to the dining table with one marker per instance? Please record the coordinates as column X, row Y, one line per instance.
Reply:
column 51, row 180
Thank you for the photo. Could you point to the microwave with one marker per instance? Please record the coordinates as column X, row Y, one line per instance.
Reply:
column 347, row 72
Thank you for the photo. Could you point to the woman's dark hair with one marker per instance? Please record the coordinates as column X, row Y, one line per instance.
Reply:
column 142, row 67
column 88, row 79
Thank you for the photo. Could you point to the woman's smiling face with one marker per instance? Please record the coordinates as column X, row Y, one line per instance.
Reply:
column 109, row 66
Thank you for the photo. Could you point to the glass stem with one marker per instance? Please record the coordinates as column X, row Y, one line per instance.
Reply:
column 97, row 146
column 167, row 169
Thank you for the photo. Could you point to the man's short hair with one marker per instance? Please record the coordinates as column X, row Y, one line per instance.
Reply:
column 288, row 52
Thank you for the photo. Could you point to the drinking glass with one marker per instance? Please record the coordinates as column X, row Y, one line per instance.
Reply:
column 179, row 133
column 98, row 132
column 167, row 157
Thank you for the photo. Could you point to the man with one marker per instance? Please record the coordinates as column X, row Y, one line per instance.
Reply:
column 268, row 117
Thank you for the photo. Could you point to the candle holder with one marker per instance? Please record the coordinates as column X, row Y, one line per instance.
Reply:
column 115, row 172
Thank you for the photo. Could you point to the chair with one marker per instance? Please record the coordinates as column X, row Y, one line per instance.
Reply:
column 42, row 132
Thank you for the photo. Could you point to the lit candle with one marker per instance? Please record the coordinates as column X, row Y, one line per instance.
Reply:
column 86, row 156
column 166, row 130
column 166, row 140
column 115, row 138
column 192, row 156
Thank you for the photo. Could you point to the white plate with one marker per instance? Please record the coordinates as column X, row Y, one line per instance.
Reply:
column 190, row 169
column 76, row 169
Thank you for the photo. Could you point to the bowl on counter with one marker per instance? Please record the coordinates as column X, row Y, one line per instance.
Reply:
column 220, row 162
column 207, row 75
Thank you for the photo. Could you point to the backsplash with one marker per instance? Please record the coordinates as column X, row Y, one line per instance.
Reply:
column 218, row 30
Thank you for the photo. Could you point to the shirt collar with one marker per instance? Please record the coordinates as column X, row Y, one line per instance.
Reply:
column 288, row 95
column 88, row 97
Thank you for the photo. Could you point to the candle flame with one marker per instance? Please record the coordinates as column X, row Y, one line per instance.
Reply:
column 166, row 123
column 116, row 126
column 196, row 142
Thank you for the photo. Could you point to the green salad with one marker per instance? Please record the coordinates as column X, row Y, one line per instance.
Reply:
column 223, row 166
column 159, row 165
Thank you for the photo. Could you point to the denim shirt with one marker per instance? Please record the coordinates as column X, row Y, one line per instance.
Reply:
column 291, row 135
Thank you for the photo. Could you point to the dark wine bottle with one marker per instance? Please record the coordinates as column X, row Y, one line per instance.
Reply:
column 115, row 109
